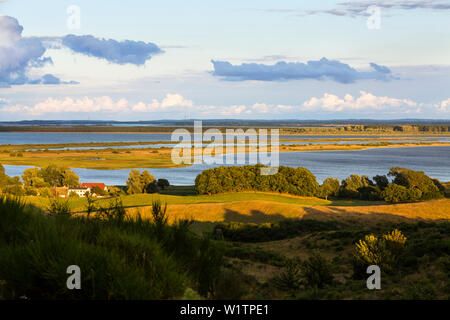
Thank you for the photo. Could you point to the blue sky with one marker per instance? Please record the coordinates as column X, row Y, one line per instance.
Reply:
column 145, row 60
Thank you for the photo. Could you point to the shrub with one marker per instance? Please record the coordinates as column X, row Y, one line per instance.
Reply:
column 59, row 207
column 384, row 252
column 290, row 278
column 207, row 267
column 229, row 286
column 317, row 271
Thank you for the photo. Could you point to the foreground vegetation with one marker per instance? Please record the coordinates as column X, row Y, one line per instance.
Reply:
column 308, row 259
column 127, row 257
column 120, row 257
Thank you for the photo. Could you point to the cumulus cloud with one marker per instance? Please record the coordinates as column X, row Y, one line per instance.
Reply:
column 443, row 106
column 18, row 55
column 51, row 105
column 170, row 101
column 134, row 52
column 319, row 70
column 104, row 104
column 176, row 105
column 365, row 102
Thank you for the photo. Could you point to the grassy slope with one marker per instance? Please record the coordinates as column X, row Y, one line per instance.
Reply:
column 260, row 207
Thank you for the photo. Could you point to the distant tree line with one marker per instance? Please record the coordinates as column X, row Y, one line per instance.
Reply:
column 371, row 128
column 319, row 128
column 406, row 185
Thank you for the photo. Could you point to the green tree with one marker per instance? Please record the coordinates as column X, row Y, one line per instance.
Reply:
column 134, row 183
column 381, row 181
column 394, row 193
column 140, row 183
column 32, row 177
column 330, row 187
column 411, row 179
column 163, row 183
column 59, row 176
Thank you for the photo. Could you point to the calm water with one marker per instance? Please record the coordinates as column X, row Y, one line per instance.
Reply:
column 435, row 161
column 87, row 137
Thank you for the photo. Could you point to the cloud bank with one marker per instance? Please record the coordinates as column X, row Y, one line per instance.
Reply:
column 133, row 52
column 365, row 102
column 175, row 105
column 322, row 69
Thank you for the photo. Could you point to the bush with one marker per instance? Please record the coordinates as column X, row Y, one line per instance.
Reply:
column 59, row 207
column 289, row 279
column 229, row 286
column 384, row 252
column 317, row 271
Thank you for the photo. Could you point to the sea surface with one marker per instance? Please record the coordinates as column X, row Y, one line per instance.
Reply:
column 87, row 137
column 434, row 161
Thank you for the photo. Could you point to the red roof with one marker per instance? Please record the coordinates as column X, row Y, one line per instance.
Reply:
column 92, row 185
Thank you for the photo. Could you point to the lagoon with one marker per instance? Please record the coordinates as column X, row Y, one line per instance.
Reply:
column 434, row 161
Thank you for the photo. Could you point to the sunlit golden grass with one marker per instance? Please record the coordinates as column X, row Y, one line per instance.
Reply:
column 258, row 211
column 259, row 207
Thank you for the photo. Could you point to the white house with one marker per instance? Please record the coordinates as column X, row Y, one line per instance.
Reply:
column 81, row 192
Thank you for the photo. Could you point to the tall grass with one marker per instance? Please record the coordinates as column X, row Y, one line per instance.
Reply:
column 119, row 257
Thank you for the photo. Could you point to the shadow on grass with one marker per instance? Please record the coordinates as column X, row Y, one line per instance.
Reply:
column 255, row 216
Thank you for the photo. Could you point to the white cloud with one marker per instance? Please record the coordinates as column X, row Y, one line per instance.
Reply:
column 365, row 102
column 443, row 106
column 98, row 104
column 175, row 100
column 170, row 101
column 51, row 105
column 176, row 104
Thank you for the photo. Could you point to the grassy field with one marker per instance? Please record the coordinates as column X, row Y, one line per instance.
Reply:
column 258, row 207
column 106, row 159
